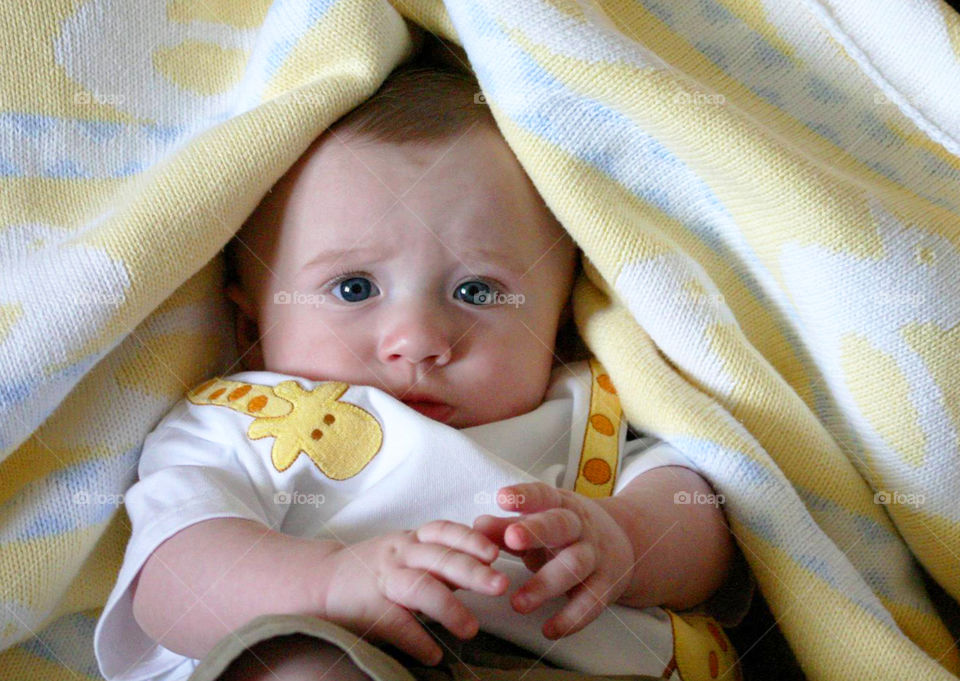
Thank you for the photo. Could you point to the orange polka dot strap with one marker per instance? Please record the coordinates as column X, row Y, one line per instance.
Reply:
column 339, row 438
column 601, row 440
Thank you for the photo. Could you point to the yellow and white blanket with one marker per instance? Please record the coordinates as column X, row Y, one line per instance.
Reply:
column 768, row 192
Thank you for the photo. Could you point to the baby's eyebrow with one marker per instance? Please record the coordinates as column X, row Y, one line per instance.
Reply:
column 502, row 258
column 328, row 258
column 331, row 256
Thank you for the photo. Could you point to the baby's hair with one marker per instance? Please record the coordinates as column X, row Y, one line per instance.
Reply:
column 417, row 103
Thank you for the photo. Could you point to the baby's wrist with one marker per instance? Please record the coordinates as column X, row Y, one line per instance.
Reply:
column 315, row 584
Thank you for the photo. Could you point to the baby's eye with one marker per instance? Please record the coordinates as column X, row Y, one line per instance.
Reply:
column 355, row 289
column 475, row 293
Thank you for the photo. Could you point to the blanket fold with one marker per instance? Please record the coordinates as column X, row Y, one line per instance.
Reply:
column 766, row 193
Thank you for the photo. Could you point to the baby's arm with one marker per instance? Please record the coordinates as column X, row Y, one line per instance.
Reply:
column 639, row 548
column 214, row 576
column 683, row 551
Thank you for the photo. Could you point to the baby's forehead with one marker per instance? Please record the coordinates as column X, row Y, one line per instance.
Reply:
column 352, row 192
column 476, row 174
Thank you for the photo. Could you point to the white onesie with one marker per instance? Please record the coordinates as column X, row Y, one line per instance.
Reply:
column 324, row 459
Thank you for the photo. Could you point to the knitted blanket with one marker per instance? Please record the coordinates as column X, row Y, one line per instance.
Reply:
column 767, row 193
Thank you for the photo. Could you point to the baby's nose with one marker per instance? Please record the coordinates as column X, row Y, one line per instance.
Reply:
column 418, row 337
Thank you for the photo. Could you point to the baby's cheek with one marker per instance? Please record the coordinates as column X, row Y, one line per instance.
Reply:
column 520, row 384
column 331, row 359
column 301, row 349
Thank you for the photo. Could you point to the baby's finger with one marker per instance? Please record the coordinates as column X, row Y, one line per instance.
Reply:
column 492, row 527
column 547, row 529
column 400, row 628
column 536, row 559
column 585, row 605
column 457, row 569
column 418, row 590
column 569, row 568
column 459, row 537
column 529, row 497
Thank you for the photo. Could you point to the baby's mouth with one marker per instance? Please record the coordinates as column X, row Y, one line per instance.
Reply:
column 438, row 411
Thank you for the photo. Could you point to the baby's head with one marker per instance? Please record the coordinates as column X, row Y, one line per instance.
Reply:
column 407, row 250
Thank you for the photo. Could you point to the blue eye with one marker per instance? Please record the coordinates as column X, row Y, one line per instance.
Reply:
column 355, row 289
column 475, row 293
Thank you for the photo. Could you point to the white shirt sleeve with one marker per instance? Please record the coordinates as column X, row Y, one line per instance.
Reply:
column 190, row 470
column 647, row 453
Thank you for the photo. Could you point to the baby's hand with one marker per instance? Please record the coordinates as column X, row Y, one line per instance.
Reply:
column 374, row 586
column 572, row 544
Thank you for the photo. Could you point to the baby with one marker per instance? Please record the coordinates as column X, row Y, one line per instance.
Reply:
column 408, row 260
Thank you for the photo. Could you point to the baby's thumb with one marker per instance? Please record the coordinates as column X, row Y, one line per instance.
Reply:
column 400, row 628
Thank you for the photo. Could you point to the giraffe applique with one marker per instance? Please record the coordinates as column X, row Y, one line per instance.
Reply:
column 340, row 438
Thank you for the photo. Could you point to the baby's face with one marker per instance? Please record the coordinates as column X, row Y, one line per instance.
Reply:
column 431, row 271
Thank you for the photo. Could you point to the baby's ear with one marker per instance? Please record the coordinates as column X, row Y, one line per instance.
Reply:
column 566, row 314
column 247, row 328
column 569, row 346
column 241, row 300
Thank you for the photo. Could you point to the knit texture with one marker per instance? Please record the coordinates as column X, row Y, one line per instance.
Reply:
column 767, row 192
